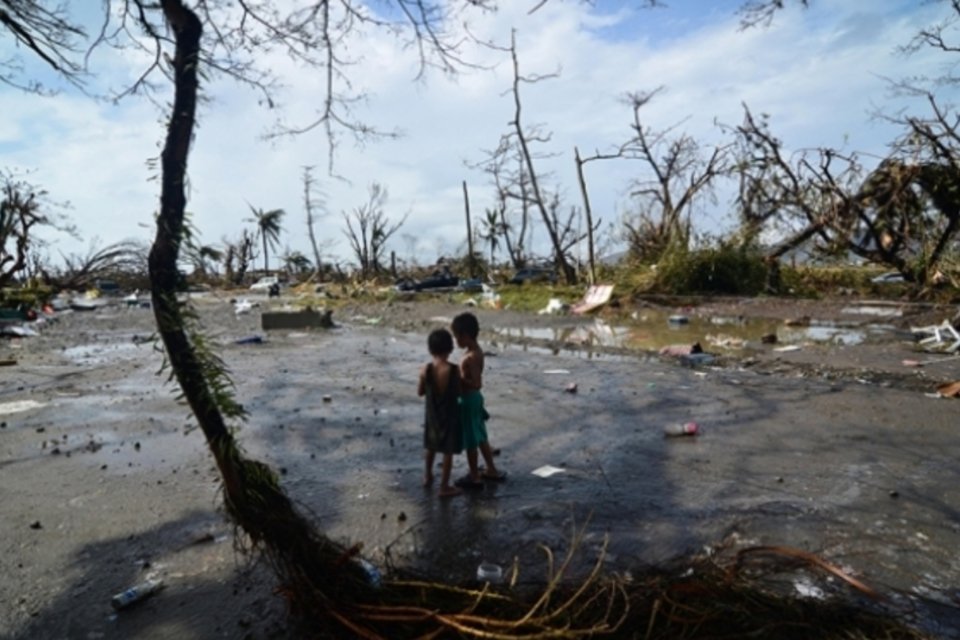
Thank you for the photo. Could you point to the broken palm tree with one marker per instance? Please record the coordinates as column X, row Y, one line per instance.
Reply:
column 320, row 578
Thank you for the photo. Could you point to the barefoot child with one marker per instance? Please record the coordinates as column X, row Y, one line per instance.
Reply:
column 466, row 328
column 440, row 383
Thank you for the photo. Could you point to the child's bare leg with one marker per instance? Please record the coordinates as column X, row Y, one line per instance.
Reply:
column 491, row 470
column 428, row 457
column 446, row 490
column 472, row 465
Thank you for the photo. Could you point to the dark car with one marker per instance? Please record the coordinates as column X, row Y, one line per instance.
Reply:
column 534, row 274
column 107, row 287
column 437, row 280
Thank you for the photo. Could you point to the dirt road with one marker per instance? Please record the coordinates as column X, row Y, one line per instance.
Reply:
column 833, row 448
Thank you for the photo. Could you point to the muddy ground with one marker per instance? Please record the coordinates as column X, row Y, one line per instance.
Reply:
column 836, row 448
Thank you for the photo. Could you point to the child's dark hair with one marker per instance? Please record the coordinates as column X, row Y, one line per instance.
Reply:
column 440, row 342
column 466, row 324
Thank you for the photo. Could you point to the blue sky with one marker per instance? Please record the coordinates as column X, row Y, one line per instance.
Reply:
column 819, row 73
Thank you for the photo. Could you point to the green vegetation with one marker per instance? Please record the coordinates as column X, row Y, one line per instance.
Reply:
column 723, row 269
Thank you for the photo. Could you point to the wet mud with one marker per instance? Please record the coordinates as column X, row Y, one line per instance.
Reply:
column 834, row 448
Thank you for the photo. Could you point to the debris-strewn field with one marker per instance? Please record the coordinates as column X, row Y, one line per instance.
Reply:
column 830, row 440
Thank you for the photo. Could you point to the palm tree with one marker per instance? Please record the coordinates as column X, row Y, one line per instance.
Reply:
column 268, row 226
column 492, row 229
column 201, row 256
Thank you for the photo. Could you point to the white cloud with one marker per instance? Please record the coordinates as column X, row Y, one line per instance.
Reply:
column 817, row 72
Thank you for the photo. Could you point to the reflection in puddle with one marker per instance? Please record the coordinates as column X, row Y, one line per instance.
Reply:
column 653, row 330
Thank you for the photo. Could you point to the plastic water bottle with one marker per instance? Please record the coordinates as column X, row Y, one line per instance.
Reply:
column 374, row 577
column 136, row 593
column 685, row 429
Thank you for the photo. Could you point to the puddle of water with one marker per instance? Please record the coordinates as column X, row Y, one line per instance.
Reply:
column 653, row 330
column 101, row 352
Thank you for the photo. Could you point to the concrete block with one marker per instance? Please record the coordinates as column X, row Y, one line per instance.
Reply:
column 305, row 319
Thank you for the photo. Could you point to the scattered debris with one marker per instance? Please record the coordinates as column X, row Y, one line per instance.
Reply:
column 726, row 342
column 81, row 304
column 697, row 359
column 571, row 388
column 554, row 306
column 678, row 319
column 556, row 372
column 924, row 363
column 949, row 389
column 878, row 309
column 681, row 349
column 939, row 334
column 597, row 296
column 546, row 471
column 250, row 340
column 802, row 321
column 789, row 348
column 18, row 331
column 685, row 429
column 242, row 307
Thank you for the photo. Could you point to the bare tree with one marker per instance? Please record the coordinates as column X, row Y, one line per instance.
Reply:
column 523, row 184
column 369, row 229
column 588, row 211
column 238, row 256
column 903, row 213
column 791, row 197
column 524, row 137
column 678, row 174
column 761, row 12
column 24, row 209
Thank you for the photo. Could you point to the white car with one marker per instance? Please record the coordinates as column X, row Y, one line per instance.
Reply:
column 264, row 283
column 889, row 277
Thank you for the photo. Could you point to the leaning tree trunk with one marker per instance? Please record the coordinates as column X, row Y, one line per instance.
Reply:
column 316, row 572
column 166, row 246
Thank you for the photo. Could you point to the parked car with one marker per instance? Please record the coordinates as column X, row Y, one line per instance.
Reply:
column 265, row 283
column 534, row 274
column 888, row 278
column 437, row 280
column 107, row 287
column 471, row 285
